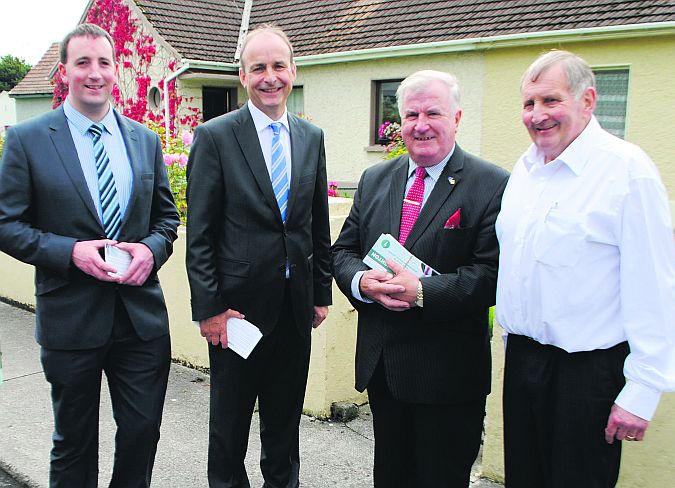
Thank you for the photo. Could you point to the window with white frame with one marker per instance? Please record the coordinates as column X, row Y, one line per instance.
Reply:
column 612, row 87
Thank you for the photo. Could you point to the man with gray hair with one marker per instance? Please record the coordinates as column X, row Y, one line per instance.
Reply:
column 586, row 287
column 423, row 349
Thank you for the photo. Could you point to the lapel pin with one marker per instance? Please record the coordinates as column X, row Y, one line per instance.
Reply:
column 451, row 180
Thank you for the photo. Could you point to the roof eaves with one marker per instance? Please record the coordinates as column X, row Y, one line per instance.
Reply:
column 32, row 95
column 501, row 41
column 215, row 65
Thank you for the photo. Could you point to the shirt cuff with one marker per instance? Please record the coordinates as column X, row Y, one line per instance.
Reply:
column 356, row 291
column 638, row 399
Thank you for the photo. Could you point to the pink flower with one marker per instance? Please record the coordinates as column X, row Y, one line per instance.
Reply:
column 186, row 137
column 182, row 160
column 381, row 131
column 171, row 158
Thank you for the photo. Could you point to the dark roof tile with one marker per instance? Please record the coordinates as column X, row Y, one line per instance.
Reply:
column 206, row 30
column 209, row 29
column 36, row 81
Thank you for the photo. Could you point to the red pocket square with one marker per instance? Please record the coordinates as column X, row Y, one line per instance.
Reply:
column 453, row 221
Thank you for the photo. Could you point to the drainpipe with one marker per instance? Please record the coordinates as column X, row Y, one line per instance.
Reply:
column 243, row 29
column 167, row 80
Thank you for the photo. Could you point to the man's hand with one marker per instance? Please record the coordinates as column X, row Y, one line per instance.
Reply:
column 374, row 284
column 320, row 314
column 405, row 279
column 623, row 425
column 86, row 257
column 214, row 329
column 142, row 263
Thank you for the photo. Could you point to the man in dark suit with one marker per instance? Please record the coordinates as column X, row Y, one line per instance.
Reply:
column 258, row 245
column 57, row 213
column 423, row 348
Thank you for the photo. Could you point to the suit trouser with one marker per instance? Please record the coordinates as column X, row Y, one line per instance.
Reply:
column 275, row 373
column 556, row 406
column 420, row 445
column 137, row 373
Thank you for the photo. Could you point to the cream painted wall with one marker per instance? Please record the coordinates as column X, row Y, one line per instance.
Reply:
column 331, row 373
column 338, row 98
column 650, row 94
column 7, row 110
column 31, row 106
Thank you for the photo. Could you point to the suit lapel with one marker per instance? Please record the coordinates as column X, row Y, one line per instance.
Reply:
column 65, row 148
column 298, row 142
column 449, row 179
column 248, row 141
column 399, row 177
column 132, row 144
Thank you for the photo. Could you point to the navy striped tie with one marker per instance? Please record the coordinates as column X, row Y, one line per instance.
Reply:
column 111, row 216
column 279, row 172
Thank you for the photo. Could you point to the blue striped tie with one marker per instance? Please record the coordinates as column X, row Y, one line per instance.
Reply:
column 110, row 207
column 279, row 173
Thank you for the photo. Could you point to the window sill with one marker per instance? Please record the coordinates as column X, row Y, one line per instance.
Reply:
column 375, row 148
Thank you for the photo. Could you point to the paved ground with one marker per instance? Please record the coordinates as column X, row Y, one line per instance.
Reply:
column 334, row 454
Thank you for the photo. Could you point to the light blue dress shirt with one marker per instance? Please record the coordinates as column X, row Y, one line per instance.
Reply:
column 114, row 146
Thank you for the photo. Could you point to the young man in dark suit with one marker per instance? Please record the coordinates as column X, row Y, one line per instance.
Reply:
column 258, row 246
column 71, row 182
column 423, row 350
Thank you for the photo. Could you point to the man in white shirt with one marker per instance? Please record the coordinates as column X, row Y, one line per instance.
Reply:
column 586, row 287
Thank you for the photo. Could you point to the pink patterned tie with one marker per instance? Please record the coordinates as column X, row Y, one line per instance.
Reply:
column 412, row 203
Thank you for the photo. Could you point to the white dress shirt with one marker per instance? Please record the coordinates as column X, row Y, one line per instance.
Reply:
column 265, row 134
column 262, row 127
column 587, row 259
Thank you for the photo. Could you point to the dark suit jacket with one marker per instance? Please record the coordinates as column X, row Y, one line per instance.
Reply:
column 438, row 354
column 45, row 207
column 237, row 243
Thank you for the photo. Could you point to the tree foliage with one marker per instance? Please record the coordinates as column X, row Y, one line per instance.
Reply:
column 12, row 71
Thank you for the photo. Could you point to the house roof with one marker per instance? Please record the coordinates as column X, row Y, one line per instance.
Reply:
column 208, row 30
column 338, row 25
column 36, row 81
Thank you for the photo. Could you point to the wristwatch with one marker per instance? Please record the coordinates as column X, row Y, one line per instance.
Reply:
column 419, row 300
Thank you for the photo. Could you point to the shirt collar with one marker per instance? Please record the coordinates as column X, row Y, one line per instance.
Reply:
column 262, row 121
column 433, row 171
column 575, row 156
column 82, row 122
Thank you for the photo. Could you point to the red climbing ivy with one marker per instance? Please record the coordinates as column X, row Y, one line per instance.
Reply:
column 135, row 51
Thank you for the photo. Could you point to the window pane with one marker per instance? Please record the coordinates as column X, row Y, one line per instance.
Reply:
column 296, row 101
column 612, row 86
column 386, row 107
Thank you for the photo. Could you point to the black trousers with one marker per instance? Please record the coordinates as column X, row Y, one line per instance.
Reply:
column 422, row 446
column 556, row 406
column 276, row 374
column 137, row 373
